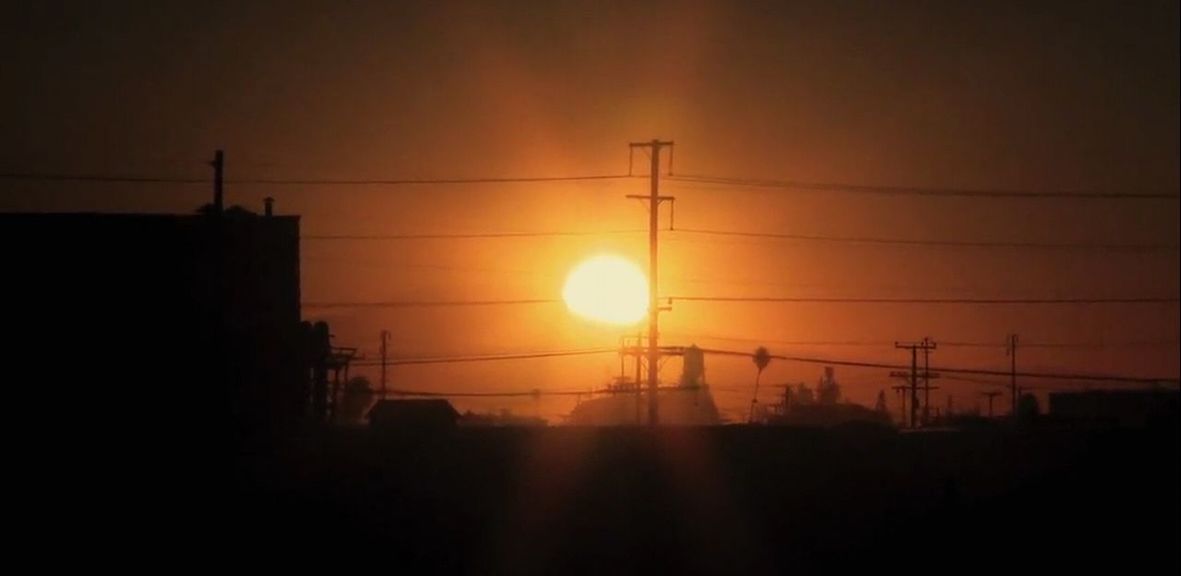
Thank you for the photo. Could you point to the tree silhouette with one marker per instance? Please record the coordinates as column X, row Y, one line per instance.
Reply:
column 761, row 359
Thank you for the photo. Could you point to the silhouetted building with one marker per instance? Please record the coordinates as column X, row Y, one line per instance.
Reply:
column 413, row 415
column 800, row 407
column 1115, row 407
column 138, row 314
column 689, row 403
column 679, row 406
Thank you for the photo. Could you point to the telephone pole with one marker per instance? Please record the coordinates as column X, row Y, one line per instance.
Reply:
column 926, row 345
column 1011, row 351
column 654, row 199
column 385, row 338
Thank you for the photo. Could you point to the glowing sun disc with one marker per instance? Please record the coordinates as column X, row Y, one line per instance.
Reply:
column 607, row 289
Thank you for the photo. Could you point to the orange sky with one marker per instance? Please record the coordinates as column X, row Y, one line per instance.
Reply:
column 1069, row 96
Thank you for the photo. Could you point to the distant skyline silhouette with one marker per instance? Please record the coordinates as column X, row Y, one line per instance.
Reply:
column 1062, row 96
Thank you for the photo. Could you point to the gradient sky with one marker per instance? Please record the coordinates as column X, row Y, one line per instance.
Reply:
column 1042, row 96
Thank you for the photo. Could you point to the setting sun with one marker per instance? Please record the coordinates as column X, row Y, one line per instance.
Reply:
column 607, row 289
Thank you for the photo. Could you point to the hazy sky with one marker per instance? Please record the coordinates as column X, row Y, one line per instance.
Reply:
column 1024, row 95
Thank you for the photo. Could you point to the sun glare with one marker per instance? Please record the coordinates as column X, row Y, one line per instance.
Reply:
column 607, row 289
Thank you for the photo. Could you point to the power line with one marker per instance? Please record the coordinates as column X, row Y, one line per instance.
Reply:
column 425, row 181
column 503, row 394
column 953, row 370
column 762, row 235
column 949, row 301
column 802, row 359
column 952, row 344
column 865, row 343
column 152, row 179
column 745, row 299
column 699, row 179
column 464, row 235
column 943, row 243
column 535, row 393
column 1130, row 344
column 429, row 303
column 921, row 191
column 975, row 380
column 100, row 178
column 385, row 264
column 488, row 357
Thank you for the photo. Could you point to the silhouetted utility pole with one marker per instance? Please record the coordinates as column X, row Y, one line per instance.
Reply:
column 385, row 338
column 639, row 375
column 991, row 395
column 1011, row 350
column 914, row 348
column 654, row 199
column 219, row 164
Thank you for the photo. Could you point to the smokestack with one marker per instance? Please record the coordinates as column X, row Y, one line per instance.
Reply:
column 270, row 206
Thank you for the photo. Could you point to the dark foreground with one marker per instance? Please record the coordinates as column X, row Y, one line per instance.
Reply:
column 721, row 500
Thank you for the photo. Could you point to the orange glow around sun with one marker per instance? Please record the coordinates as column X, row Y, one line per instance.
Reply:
column 607, row 289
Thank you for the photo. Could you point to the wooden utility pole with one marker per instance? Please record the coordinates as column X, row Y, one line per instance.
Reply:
column 654, row 199
column 639, row 375
column 914, row 347
column 928, row 346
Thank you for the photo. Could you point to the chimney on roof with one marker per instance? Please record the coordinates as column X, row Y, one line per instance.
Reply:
column 270, row 206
